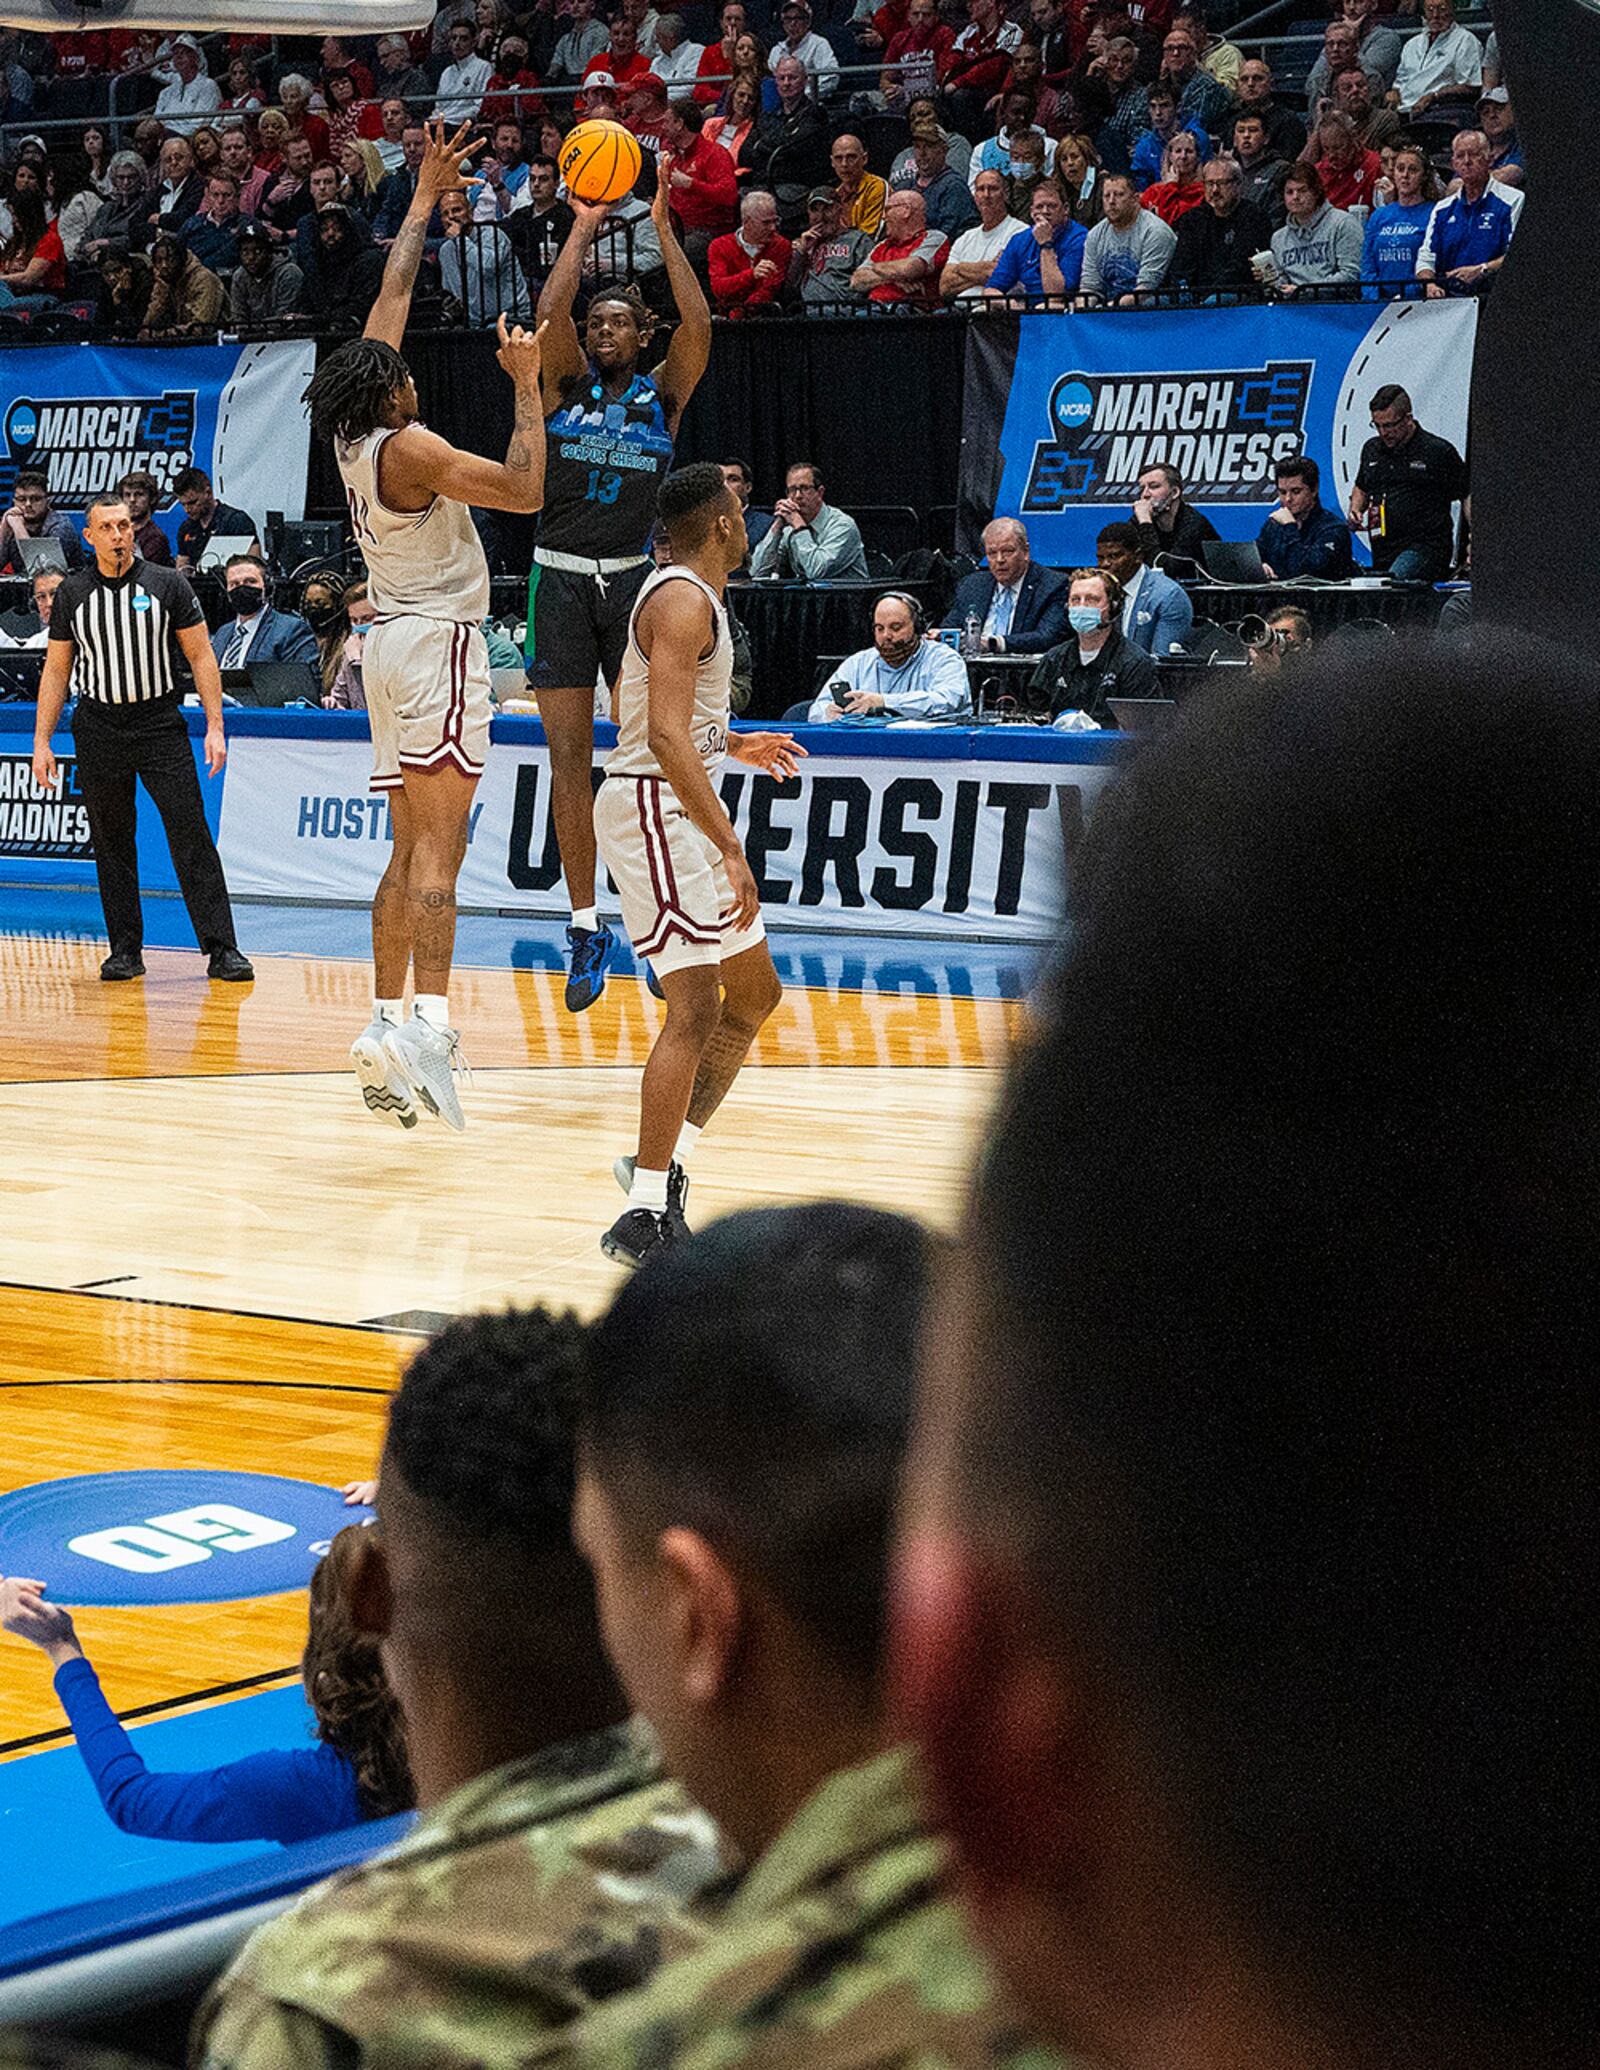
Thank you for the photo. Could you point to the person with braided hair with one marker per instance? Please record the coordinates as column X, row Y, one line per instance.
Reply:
column 426, row 667
column 357, row 1772
column 552, row 1865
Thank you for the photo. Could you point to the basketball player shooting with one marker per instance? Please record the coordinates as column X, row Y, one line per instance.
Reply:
column 426, row 664
column 689, row 900
column 611, row 433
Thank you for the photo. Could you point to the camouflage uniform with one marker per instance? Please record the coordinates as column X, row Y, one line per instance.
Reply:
column 515, row 1905
column 839, row 1951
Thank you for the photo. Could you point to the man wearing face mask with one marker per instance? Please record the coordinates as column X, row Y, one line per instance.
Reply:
column 1166, row 523
column 258, row 633
column 1095, row 662
column 901, row 675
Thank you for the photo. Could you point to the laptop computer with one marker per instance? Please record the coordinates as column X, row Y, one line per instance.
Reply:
column 1233, row 560
column 268, row 684
column 1142, row 714
column 219, row 549
column 42, row 556
column 20, row 669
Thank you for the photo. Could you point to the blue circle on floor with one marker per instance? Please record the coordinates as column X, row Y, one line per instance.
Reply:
column 131, row 1539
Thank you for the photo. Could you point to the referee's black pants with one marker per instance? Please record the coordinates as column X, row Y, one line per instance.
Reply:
column 118, row 744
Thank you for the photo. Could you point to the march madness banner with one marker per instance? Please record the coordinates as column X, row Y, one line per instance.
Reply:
column 1063, row 412
column 88, row 414
column 875, row 845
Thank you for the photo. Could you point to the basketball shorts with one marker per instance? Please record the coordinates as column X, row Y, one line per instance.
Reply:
column 576, row 630
column 427, row 685
column 670, row 878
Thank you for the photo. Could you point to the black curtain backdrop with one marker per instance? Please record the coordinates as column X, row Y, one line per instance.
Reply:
column 876, row 403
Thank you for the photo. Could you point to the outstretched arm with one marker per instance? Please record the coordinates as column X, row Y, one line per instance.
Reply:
column 440, row 173
column 563, row 352
column 690, row 349
column 417, row 463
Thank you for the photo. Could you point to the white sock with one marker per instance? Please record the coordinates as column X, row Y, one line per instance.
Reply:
column 649, row 1190
column 688, row 1136
column 586, row 917
column 390, row 1011
column 432, row 1007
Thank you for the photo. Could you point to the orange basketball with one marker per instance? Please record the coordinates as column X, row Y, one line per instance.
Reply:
column 600, row 161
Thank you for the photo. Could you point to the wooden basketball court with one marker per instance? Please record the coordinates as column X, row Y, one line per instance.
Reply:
column 214, row 1258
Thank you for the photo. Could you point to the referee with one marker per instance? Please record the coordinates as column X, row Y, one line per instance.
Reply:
column 112, row 630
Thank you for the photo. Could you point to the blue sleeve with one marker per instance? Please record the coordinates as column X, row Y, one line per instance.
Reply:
column 1146, row 161
column 1008, row 267
column 299, row 641
column 1049, row 629
column 1174, row 622
column 964, row 601
column 283, row 1796
column 1369, row 249
column 1272, row 546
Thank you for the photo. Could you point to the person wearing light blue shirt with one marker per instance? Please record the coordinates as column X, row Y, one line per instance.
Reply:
column 900, row 676
column 1395, row 232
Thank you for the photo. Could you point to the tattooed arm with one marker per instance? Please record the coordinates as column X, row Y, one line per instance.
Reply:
column 418, row 463
column 439, row 173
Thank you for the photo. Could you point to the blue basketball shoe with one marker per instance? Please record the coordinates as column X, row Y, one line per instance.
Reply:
column 594, row 950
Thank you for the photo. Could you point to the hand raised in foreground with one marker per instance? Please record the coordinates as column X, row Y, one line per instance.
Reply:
column 445, row 168
column 521, row 352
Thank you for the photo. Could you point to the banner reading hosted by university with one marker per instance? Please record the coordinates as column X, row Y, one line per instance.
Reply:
column 89, row 414
column 1063, row 412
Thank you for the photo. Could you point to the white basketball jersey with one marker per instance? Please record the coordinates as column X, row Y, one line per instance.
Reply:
column 420, row 563
column 713, row 687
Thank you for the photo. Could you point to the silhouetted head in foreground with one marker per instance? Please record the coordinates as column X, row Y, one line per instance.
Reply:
column 1249, row 1599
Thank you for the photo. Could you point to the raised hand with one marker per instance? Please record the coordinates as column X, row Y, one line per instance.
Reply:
column 444, row 168
column 520, row 352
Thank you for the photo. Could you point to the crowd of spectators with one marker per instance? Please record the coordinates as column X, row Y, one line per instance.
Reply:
column 1075, row 152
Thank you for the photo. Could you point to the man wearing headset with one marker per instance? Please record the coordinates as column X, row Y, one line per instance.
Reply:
column 902, row 675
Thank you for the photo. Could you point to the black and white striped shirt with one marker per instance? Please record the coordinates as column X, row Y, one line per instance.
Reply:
column 124, row 631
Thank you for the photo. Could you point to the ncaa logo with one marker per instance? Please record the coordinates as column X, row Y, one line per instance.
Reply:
column 161, row 1537
column 1072, row 404
column 22, row 425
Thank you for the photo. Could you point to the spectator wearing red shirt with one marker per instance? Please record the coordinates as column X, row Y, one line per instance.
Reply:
column 33, row 266
column 644, row 110
column 513, row 94
column 716, row 60
column 80, row 52
column 916, row 60
column 622, row 63
column 750, row 265
column 294, row 97
column 1348, row 172
column 1180, row 188
column 979, row 62
column 907, row 260
column 885, row 24
column 338, row 57
column 705, row 186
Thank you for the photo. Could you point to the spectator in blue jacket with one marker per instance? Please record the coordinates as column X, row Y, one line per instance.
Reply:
column 212, row 233
column 1395, row 231
column 1469, row 234
column 1046, row 259
column 258, row 633
column 1151, row 148
column 394, row 193
column 1303, row 537
column 358, row 1771
column 1020, row 606
column 1156, row 615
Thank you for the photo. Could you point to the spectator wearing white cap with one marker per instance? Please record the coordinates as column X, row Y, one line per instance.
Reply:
column 193, row 96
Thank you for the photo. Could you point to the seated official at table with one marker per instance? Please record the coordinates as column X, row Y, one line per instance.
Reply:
column 902, row 675
column 1096, row 660
column 258, row 633
column 1303, row 537
column 1156, row 615
column 1020, row 605
column 808, row 540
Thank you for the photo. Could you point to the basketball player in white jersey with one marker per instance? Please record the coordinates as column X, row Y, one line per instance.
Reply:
column 426, row 666
column 689, row 900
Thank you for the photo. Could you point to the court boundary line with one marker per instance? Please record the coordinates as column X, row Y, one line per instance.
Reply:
column 199, row 1380
column 151, row 1710
column 310, row 1322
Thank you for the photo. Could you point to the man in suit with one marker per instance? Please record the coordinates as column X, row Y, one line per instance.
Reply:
column 1020, row 606
column 1156, row 615
column 258, row 633
column 395, row 190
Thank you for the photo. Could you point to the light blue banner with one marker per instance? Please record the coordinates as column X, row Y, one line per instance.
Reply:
column 89, row 414
column 1221, row 394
